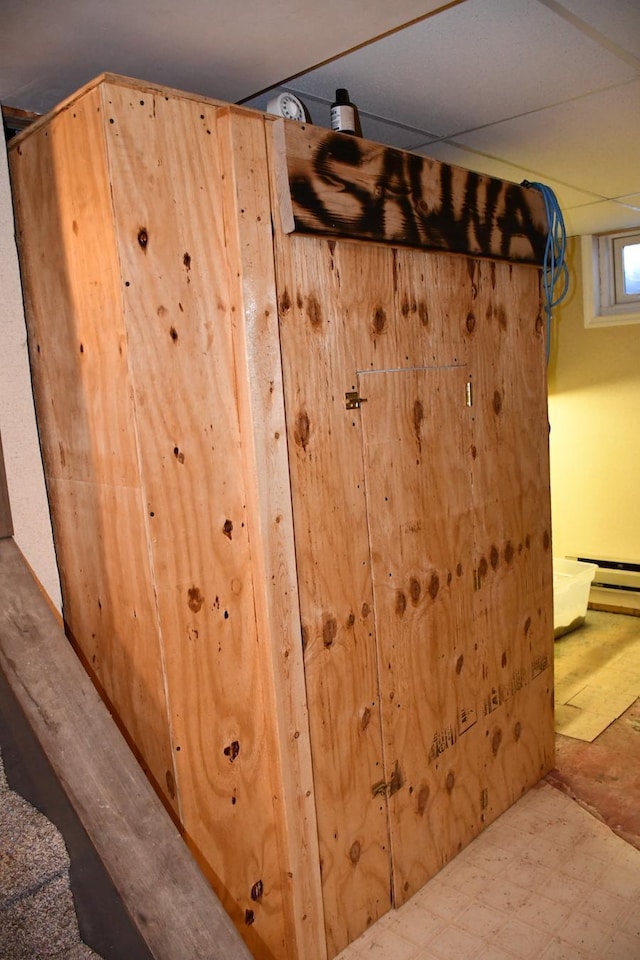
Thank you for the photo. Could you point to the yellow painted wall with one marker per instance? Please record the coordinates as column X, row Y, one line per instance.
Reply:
column 594, row 412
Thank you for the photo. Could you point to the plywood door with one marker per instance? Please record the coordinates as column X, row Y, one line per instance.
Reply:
column 416, row 439
column 345, row 307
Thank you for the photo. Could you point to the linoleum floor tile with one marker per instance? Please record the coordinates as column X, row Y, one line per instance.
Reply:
column 571, row 892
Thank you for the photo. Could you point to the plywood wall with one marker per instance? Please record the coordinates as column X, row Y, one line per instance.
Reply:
column 422, row 539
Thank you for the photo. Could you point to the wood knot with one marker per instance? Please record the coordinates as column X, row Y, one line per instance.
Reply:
column 232, row 751
column 257, row 890
column 379, row 320
column 302, row 430
column 415, row 590
column 285, row 302
column 421, row 803
column 171, row 784
column 329, row 631
column 314, row 311
column 194, row 599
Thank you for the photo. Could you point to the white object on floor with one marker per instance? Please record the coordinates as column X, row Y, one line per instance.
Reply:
column 572, row 581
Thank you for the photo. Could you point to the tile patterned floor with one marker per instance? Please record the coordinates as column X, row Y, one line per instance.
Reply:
column 546, row 881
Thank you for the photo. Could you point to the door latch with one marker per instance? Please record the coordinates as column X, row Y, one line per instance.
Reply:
column 353, row 400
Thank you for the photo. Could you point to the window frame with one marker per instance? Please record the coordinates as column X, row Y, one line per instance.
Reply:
column 599, row 255
column 619, row 242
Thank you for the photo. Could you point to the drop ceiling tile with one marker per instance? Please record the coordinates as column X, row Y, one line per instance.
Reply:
column 475, row 63
column 617, row 20
column 223, row 50
column 593, row 143
column 600, row 218
column 455, row 153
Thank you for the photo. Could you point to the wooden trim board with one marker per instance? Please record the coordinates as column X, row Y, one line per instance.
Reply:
column 169, row 900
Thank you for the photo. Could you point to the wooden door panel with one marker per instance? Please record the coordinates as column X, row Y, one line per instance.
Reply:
column 325, row 324
column 416, row 434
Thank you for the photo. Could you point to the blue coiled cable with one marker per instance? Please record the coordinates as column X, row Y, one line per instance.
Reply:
column 555, row 269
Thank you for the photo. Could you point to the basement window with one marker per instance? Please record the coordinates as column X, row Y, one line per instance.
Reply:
column 611, row 278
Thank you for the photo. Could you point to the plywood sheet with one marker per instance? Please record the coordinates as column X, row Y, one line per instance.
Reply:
column 249, row 238
column 79, row 362
column 336, row 600
column 513, row 527
column 418, row 481
column 166, row 183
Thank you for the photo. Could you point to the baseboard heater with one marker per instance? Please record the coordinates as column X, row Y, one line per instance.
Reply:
column 616, row 584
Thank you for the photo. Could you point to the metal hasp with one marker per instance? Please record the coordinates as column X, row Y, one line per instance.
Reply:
column 354, row 400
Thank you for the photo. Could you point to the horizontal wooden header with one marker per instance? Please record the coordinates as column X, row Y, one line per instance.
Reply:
column 345, row 186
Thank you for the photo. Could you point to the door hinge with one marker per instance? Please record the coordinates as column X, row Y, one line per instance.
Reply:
column 353, row 400
column 382, row 788
column 469, row 394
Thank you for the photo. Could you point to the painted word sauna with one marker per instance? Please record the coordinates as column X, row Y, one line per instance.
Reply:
column 292, row 399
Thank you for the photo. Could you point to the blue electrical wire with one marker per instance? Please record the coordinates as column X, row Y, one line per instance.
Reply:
column 555, row 269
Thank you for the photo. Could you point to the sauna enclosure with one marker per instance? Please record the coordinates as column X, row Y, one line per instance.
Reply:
column 292, row 400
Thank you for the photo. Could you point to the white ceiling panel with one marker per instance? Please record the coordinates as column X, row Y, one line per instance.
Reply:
column 454, row 153
column 218, row 49
column 592, row 143
column 619, row 21
column 474, row 64
column 601, row 218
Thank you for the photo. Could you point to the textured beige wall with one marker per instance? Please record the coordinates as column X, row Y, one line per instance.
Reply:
column 594, row 411
column 27, row 495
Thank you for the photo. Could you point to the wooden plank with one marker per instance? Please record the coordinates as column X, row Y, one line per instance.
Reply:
column 166, row 895
column 79, row 362
column 514, row 626
column 258, row 362
column 332, row 551
column 6, row 523
column 418, row 475
column 167, row 188
column 345, row 186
